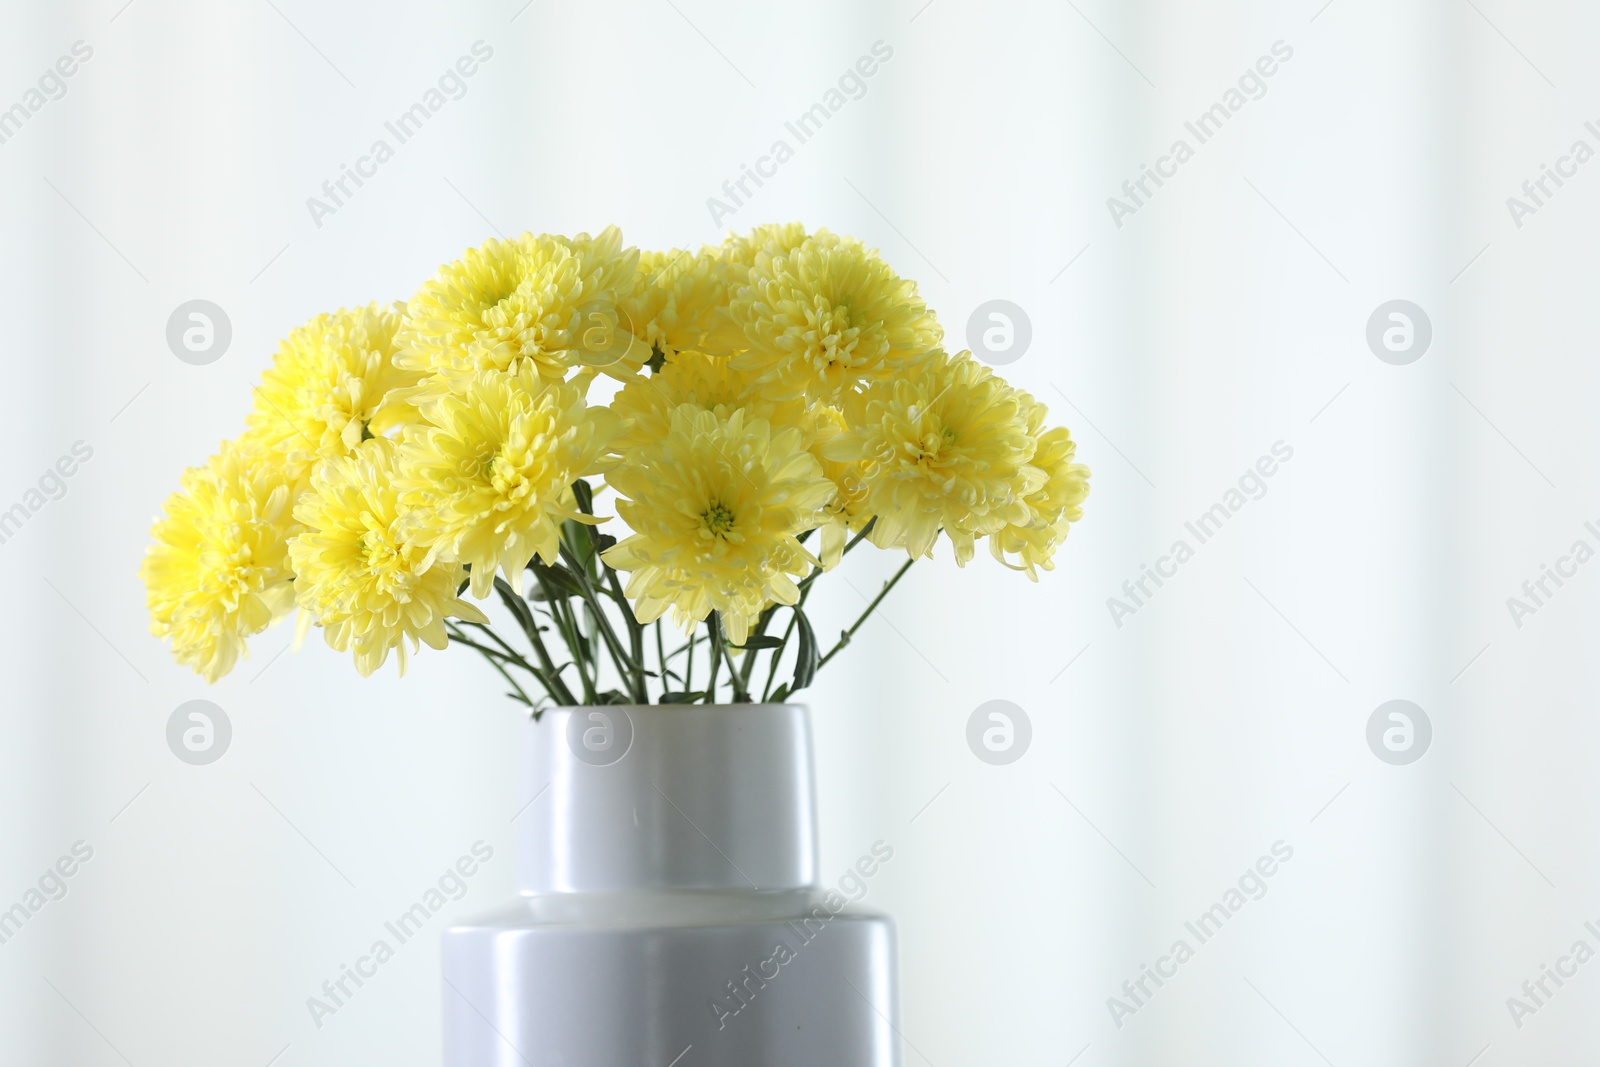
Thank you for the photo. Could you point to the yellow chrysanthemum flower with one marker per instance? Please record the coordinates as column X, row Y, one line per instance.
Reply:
column 1053, row 507
column 828, row 316
column 947, row 448
column 218, row 571
column 488, row 481
column 548, row 301
column 847, row 511
column 370, row 588
column 647, row 403
column 774, row 238
column 716, row 506
column 675, row 299
column 332, row 381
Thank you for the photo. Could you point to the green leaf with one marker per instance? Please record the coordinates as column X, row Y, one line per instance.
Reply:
column 562, row 582
column 806, row 656
column 517, row 606
column 593, row 636
column 779, row 695
column 575, row 535
column 584, row 495
column 682, row 698
column 756, row 641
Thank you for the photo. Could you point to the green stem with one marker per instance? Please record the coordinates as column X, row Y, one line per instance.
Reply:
column 688, row 667
column 494, row 661
column 766, row 616
column 777, row 655
column 741, row 694
column 661, row 657
column 848, row 634
column 553, row 682
column 635, row 634
column 561, row 614
column 631, row 670
column 506, row 652
column 510, row 653
column 715, row 637
column 752, row 654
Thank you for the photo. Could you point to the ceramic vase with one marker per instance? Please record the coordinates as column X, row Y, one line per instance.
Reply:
column 670, row 909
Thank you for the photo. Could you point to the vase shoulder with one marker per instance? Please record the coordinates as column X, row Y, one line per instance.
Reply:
column 656, row 910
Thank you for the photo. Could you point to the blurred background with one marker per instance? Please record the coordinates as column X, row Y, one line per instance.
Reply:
column 1429, row 871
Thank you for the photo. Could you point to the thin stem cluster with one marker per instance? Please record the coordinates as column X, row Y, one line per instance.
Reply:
column 581, row 644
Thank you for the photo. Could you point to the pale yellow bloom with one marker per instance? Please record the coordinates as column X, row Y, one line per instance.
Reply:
column 946, row 448
column 547, row 301
column 827, row 316
column 1054, row 507
column 774, row 238
column 646, row 403
column 675, row 300
column 488, row 480
column 332, row 381
column 218, row 571
column 716, row 506
column 847, row 512
column 370, row 588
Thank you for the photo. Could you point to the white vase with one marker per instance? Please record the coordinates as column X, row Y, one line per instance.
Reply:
column 671, row 912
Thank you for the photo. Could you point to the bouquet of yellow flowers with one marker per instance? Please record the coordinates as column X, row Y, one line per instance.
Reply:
column 774, row 401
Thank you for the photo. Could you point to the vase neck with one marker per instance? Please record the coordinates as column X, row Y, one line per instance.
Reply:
column 631, row 798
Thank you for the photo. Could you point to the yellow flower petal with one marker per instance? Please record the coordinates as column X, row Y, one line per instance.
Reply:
column 218, row 571
column 716, row 506
column 370, row 588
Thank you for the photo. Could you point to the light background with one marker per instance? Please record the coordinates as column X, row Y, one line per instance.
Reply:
column 1168, row 753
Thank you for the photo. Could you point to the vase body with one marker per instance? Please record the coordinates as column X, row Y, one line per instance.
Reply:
column 670, row 910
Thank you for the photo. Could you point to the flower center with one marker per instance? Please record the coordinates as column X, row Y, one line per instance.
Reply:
column 836, row 338
column 377, row 552
column 480, row 465
column 502, row 473
column 718, row 519
column 934, row 442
